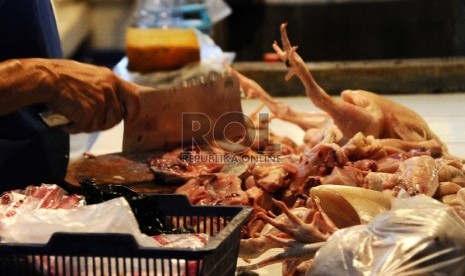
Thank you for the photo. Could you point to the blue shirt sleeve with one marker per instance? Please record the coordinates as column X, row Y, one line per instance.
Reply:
column 31, row 31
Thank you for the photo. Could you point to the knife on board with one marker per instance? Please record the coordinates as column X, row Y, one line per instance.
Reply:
column 203, row 108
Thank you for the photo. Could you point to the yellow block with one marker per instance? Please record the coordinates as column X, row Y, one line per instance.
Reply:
column 156, row 49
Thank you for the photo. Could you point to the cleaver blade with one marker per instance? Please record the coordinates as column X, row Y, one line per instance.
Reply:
column 203, row 109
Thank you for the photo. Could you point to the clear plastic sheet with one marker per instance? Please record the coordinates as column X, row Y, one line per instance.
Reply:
column 113, row 216
column 418, row 236
column 190, row 240
column 45, row 196
column 217, row 10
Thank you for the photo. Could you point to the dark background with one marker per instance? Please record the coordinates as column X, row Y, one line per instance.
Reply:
column 346, row 30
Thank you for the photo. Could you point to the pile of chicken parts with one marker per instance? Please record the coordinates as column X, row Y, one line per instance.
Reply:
column 357, row 156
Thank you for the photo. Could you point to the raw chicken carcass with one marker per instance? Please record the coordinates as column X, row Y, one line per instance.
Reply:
column 359, row 111
column 178, row 166
column 214, row 189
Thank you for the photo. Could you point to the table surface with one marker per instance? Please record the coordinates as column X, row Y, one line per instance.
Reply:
column 445, row 114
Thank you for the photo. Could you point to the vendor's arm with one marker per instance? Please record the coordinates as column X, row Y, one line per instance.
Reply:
column 92, row 97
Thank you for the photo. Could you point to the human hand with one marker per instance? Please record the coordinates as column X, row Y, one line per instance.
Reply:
column 91, row 97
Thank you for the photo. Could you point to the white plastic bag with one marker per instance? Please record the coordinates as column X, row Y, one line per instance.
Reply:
column 419, row 236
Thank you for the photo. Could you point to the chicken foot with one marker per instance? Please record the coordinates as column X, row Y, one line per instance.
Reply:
column 295, row 250
column 319, row 228
column 300, row 239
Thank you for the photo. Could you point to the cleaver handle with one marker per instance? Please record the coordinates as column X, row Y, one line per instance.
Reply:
column 53, row 119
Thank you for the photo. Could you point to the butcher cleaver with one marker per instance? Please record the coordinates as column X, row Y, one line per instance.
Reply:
column 201, row 110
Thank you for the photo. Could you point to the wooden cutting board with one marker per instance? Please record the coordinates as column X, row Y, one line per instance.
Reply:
column 129, row 169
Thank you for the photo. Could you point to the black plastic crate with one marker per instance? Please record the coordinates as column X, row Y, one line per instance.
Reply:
column 119, row 254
